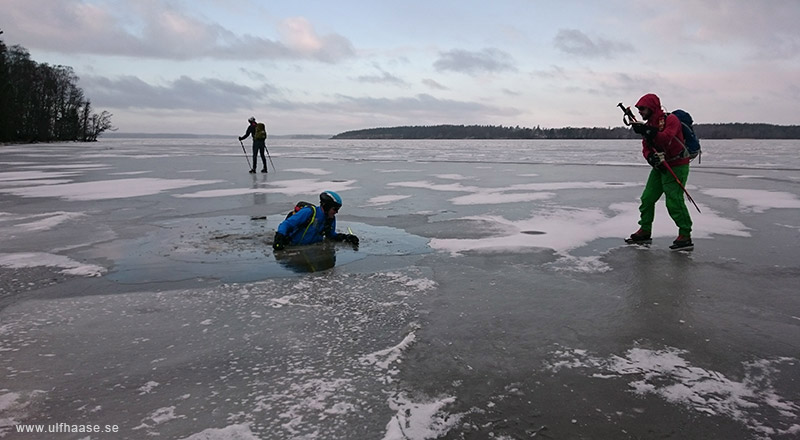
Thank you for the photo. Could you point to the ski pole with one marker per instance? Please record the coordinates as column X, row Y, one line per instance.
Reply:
column 628, row 118
column 267, row 150
column 245, row 155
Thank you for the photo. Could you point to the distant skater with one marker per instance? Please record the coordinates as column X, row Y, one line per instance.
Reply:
column 663, row 142
column 259, row 132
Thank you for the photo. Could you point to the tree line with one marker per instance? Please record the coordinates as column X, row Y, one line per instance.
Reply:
column 42, row 103
column 703, row 131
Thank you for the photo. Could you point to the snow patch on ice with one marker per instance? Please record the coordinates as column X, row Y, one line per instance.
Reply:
column 382, row 359
column 78, row 166
column 8, row 400
column 233, row 432
column 288, row 187
column 14, row 408
column 756, row 200
column 564, row 229
column 129, row 173
column 524, row 192
column 569, row 263
column 15, row 176
column 313, row 396
column 314, row 171
column 385, row 200
column 399, row 171
column 38, row 259
column 157, row 417
column 666, row 374
column 106, row 189
column 492, row 198
column 419, row 420
column 148, row 387
column 451, row 176
column 49, row 221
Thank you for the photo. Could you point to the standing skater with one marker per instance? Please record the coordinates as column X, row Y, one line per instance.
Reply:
column 259, row 132
column 663, row 148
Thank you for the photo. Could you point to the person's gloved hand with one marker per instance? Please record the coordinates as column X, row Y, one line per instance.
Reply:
column 352, row 239
column 649, row 132
column 347, row 238
column 240, row 138
column 656, row 160
column 280, row 242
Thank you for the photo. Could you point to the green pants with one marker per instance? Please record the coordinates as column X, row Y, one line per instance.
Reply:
column 661, row 182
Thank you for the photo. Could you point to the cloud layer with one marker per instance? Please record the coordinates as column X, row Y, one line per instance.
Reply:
column 158, row 64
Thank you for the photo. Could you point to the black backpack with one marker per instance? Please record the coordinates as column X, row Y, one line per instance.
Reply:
column 692, row 144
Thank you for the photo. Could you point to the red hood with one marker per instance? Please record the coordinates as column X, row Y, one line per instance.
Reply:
column 652, row 102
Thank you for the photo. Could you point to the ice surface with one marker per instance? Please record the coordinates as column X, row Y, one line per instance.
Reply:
column 491, row 295
column 667, row 374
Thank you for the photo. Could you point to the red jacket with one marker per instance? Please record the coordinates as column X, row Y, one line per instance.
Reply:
column 670, row 133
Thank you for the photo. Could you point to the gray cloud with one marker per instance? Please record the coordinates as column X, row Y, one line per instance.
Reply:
column 154, row 30
column 433, row 84
column 184, row 93
column 423, row 108
column 383, row 78
column 555, row 72
column 214, row 95
column 575, row 42
column 768, row 33
column 488, row 60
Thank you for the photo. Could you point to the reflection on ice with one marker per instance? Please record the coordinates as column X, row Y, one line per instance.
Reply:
column 756, row 200
column 306, row 259
column 564, row 229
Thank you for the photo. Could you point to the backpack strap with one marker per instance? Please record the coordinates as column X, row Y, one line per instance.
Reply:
column 310, row 221
column 685, row 153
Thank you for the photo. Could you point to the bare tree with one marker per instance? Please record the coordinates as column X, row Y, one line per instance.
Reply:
column 41, row 103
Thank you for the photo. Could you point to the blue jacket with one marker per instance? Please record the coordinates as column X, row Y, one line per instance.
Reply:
column 295, row 227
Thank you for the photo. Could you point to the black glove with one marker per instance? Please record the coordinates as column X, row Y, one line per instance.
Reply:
column 240, row 138
column 280, row 242
column 347, row 238
column 649, row 132
column 656, row 160
column 352, row 239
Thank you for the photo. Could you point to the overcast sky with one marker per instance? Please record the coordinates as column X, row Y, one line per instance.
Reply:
column 327, row 66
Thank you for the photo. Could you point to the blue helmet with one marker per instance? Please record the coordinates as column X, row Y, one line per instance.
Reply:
column 330, row 199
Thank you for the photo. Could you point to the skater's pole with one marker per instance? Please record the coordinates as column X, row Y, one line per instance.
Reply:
column 628, row 118
column 245, row 155
column 267, row 150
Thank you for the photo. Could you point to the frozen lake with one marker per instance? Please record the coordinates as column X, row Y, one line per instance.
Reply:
column 492, row 295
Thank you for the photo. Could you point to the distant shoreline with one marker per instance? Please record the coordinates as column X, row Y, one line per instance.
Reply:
column 116, row 135
column 703, row 131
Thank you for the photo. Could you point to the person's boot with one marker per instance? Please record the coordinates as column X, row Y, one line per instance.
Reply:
column 682, row 243
column 253, row 171
column 639, row 237
column 264, row 170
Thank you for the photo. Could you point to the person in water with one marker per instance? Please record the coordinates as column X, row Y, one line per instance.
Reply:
column 312, row 224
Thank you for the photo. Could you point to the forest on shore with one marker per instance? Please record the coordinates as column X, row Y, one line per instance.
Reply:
column 43, row 103
column 703, row 131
